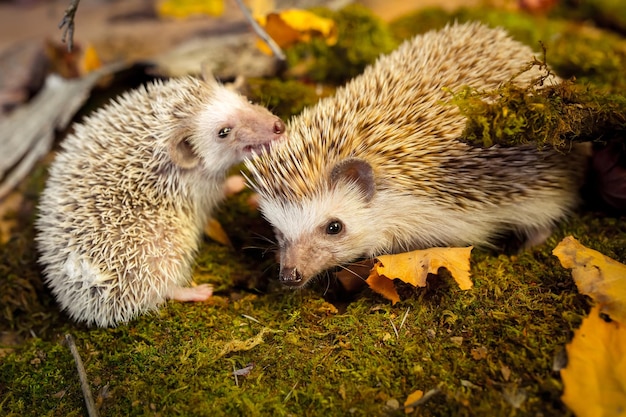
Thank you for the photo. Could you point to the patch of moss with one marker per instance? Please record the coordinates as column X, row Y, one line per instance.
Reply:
column 315, row 361
column 362, row 37
column 545, row 115
column 284, row 98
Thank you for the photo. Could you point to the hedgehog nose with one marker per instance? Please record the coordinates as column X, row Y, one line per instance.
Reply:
column 290, row 277
column 279, row 127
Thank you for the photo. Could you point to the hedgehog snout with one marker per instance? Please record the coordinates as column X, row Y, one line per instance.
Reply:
column 290, row 276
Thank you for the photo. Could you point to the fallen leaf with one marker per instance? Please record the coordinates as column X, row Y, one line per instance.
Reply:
column 383, row 286
column 89, row 61
column 595, row 376
column 185, row 8
column 479, row 353
column 214, row 230
column 506, row 372
column 414, row 267
column 596, row 275
column 293, row 25
column 413, row 397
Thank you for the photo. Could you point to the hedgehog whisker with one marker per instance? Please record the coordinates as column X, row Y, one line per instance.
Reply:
column 264, row 238
column 346, row 268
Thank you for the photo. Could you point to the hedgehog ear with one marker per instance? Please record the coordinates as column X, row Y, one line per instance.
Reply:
column 207, row 73
column 182, row 153
column 358, row 172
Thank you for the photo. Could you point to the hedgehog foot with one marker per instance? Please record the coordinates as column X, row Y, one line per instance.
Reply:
column 198, row 293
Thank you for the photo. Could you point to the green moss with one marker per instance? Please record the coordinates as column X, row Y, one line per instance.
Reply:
column 315, row 361
column 284, row 97
column 545, row 115
column 362, row 37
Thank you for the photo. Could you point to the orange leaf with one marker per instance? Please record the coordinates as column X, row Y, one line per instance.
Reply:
column 90, row 60
column 414, row 267
column 293, row 25
column 383, row 286
column 596, row 275
column 411, row 399
column 595, row 376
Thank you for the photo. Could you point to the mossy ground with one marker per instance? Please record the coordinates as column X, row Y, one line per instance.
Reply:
column 487, row 352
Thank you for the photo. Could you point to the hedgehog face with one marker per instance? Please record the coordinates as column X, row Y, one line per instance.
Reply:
column 230, row 129
column 327, row 230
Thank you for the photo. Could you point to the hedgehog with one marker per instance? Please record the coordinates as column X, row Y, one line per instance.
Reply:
column 122, row 213
column 379, row 168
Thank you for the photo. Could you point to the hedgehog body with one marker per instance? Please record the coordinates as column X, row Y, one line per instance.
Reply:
column 378, row 167
column 127, row 196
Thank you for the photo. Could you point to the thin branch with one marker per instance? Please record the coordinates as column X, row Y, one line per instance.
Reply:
column 278, row 53
column 395, row 330
column 68, row 22
column 82, row 375
column 404, row 318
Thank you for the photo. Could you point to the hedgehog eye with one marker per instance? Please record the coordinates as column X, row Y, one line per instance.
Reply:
column 224, row 132
column 334, row 227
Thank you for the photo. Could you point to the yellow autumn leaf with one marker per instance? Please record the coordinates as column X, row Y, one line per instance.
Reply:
column 185, row 8
column 596, row 275
column 293, row 25
column 90, row 60
column 411, row 399
column 414, row 267
column 214, row 230
column 595, row 376
column 383, row 286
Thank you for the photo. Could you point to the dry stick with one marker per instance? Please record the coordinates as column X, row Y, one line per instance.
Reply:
column 278, row 53
column 68, row 21
column 84, row 383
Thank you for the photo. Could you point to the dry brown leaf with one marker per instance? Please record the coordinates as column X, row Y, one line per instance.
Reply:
column 596, row 275
column 414, row 267
column 595, row 376
column 293, row 25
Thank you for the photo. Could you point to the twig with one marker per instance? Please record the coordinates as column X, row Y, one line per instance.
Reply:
column 68, row 22
column 394, row 328
column 278, row 53
column 290, row 392
column 84, row 383
column 404, row 318
column 250, row 318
